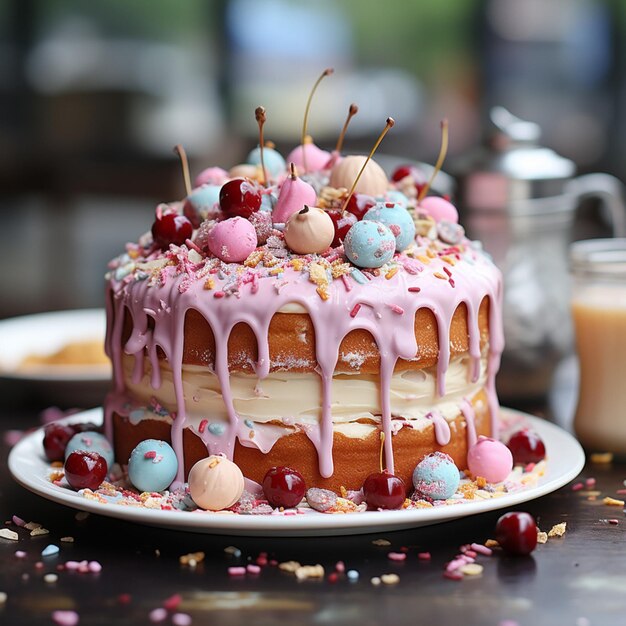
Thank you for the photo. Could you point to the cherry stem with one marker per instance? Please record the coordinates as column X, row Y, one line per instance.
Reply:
column 293, row 172
column 352, row 111
column 440, row 159
column 327, row 72
column 260, row 117
column 382, row 445
column 182, row 155
column 389, row 124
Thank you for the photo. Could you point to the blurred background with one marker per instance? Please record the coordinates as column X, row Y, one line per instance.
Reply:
column 94, row 95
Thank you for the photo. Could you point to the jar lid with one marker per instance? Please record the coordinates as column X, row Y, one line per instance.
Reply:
column 518, row 154
column 599, row 256
column 513, row 151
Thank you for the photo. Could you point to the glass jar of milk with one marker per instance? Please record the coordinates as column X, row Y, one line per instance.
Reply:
column 599, row 311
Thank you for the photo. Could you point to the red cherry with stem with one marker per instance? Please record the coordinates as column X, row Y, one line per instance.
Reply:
column 359, row 204
column 402, row 171
column 419, row 178
column 526, row 447
column 383, row 490
column 284, row 487
column 342, row 221
column 55, row 438
column 240, row 198
column 171, row 228
column 85, row 470
column 517, row 533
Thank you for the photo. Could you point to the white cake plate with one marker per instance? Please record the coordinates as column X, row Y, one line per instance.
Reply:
column 565, row 460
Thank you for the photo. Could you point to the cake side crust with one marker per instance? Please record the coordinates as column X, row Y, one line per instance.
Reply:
column 354, row 457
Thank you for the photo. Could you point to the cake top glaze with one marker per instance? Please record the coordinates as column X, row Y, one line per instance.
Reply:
column 354, row 261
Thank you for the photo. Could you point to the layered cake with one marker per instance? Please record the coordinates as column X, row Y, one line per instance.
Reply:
column 306, row 312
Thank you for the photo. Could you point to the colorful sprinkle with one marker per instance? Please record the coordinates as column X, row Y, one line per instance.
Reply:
column 7, row 533
column 65, row 618
column 157, row 615
column 172, row 603
column 478, row 547
column 50, row 550
column 236, row 571
column 217, row 429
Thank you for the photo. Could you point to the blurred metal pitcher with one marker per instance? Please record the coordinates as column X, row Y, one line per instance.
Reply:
column 520, row 200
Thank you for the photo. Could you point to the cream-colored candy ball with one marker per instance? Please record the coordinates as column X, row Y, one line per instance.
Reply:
column 309, row 231
column 373, row 181
column 215, row 483
column 245, row 170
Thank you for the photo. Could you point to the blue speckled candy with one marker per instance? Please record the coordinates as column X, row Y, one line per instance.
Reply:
column 205, row 197
column 91, row 441
column 395, row 196
column 269, row 200
column 273, row 160
column 152, row 465
column 399, row 221
column 436, row 476
column 369, row 244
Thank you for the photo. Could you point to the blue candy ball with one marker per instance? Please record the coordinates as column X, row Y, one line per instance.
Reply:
column 436, row 476
column 399, row 221
column 369, row 244
column 274, row 162
column 152, row 465
column 205, row 197
column 269, row 200
column 395, row 196
column 91, row 441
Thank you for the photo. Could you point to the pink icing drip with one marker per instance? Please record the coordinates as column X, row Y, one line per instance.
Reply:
column 259, row 300
column 470, row 421
column 474, row 341
column 496, row 346
column 175, row 357
column 442, row 428
column 386, row 370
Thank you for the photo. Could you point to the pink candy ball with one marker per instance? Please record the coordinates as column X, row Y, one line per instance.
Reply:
column 490, row 459
column 439, row 209
column 211, row 176
column 232, row 240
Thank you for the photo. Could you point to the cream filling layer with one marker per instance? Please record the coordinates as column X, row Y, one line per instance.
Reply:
column 294, row 398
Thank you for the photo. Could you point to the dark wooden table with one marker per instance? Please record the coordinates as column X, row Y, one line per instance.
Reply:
column 578, row 580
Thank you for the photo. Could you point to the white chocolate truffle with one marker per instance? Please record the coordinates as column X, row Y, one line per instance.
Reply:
column 309, row 231
column 373, row 181
column 215, row 483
